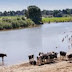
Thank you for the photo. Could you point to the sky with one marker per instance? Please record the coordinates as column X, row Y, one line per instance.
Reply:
column 7, row 5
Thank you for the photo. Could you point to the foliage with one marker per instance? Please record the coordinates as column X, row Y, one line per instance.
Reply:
column 15, row 24
column 1, row 26
column 6, row 20
column 54, row 13
column 57, row 13
column 57, row 19
column 23, row 23
column 23, row 18
column 12, row 22
column 30, row 22
column 34, row 13
column 7, row 25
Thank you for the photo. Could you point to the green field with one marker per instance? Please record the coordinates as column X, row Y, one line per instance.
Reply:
column 57, row 19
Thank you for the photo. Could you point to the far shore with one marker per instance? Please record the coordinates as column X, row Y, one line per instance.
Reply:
column 31, row 26
column 56, row 19
column 15, row 22
column 20, row 28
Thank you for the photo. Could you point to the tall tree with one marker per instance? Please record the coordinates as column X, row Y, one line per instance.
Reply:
column 34, row 13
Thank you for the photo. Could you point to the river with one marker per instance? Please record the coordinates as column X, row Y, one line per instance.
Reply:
column 18, row 44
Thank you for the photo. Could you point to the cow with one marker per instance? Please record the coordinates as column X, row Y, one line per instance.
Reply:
column 55, row 54
column 52, row 56
column 3, row 55
column 41, row 53
column 69, row 56
column 62, row 55
column 42, row 59
column 39, row 60
column 46, row 58
column 31, row 60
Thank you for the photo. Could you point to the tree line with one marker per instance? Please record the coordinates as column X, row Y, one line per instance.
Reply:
column 13, row 13
column 57, row 13
column 54, row 13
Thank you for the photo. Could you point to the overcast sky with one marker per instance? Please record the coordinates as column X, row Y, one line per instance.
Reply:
column 43, row 4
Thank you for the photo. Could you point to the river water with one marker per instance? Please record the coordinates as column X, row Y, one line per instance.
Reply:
column 18, row 44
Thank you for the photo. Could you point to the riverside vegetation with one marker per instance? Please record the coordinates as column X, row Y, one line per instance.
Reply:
column 56, row 19
column 32, row 17
column 13, row 22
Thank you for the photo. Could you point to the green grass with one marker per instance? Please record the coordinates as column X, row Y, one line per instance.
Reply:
column 57, row 19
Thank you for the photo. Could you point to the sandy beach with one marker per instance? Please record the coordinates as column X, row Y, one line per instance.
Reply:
column 62, row 66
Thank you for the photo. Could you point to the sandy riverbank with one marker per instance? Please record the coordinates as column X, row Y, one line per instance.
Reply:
column 62, row 66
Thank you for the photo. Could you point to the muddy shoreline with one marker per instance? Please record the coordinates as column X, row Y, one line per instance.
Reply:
column 62, row 66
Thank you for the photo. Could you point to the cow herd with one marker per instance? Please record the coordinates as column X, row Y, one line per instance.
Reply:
column 50, row 57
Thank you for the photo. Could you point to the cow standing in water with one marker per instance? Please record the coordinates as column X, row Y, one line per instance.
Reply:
column 2, row 56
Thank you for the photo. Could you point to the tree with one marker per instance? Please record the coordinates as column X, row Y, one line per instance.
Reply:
column 5, row 13
column 34, row 13
column 55, row 13
column 26, row 13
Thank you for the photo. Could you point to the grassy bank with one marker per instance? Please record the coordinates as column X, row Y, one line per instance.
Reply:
column 14, row 22
column 57, row 19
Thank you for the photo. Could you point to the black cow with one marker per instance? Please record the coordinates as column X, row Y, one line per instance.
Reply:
column 69, row 56
column 3, row 55
column 62, row 54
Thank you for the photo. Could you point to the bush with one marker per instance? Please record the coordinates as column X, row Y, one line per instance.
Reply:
column 23, row 23
column 7, row 26
column 15, row 24
column 1, row 26
column 12, row 23
column 23, row 18
column 30, row 22
column 6, row 20
column 18, row 18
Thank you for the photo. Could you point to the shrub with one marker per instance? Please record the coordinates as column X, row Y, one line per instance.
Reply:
column 30, row 22
column 7, row 25
column 18, row 18
column 12, row 23
column 6, row 20
column 23, row 23
column 1, row 26
column 15, row 24
column 23, row 18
